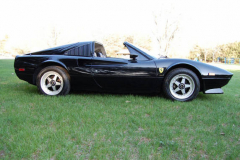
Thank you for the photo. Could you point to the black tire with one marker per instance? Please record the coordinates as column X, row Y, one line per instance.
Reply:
column 181, row 84
column 53, row 81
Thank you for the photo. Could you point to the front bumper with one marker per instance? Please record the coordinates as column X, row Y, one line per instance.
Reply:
column 213, row 84
column 214, row 91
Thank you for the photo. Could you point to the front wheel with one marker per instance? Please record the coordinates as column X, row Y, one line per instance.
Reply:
column 53, row 80
column 181, row 84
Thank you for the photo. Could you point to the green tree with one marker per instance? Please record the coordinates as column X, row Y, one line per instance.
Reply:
column 230, row 50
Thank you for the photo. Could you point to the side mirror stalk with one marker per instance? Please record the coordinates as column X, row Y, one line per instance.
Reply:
column 133, row 56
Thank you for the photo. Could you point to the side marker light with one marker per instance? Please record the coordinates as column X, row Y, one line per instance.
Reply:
column 211, row 74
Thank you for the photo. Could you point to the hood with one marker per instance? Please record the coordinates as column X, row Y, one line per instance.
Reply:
column 203, row 68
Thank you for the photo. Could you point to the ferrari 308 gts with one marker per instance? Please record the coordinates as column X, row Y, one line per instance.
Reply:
column 85, row 66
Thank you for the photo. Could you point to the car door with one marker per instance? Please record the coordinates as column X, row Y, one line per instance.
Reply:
column 116, row 74
column 81, row 73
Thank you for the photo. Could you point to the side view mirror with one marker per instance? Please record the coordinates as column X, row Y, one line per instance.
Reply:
column 133, row 56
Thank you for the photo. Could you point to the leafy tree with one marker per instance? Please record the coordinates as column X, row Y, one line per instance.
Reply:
column 230, row 50
column 197, row 50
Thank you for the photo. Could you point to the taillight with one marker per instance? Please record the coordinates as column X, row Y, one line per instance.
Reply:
column 21, row 69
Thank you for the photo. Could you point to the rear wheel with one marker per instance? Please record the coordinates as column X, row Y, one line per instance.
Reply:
column 181, row 84
column 53, row 80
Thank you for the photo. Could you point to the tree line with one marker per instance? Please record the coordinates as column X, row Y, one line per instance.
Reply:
column 229, row 50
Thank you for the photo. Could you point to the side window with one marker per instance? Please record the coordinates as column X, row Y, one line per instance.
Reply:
column 140, row 56
column 125, row 54
column 99, row 51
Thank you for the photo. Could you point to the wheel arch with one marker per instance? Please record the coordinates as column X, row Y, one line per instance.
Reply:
column 187, row 66
column 46, row 64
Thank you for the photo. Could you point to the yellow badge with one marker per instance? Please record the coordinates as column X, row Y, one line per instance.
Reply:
column 161, row 70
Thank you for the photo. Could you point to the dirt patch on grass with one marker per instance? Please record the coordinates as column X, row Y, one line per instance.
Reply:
column 144, row 140
column 2, row 154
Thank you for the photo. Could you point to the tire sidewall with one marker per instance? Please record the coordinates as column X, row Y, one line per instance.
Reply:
column 62, row 72
column 173, row 73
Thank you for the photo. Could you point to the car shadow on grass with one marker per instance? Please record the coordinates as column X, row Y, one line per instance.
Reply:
column 76, row 92
column 107, row 94
column 207, row 97
column 201, row 96
column 31, row 89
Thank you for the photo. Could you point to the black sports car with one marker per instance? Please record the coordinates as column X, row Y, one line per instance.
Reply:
column 85, row 66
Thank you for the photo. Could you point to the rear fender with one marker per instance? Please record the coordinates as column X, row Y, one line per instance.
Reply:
column 46, row 64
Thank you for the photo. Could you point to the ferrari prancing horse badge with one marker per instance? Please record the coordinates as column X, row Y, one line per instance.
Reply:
column 161, row 70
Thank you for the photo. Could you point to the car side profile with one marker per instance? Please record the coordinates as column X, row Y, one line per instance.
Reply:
column 85, row 66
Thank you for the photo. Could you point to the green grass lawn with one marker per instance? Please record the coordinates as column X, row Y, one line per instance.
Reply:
column 112, row 126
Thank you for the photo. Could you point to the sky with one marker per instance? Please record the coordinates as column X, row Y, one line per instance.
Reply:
column 203, row 22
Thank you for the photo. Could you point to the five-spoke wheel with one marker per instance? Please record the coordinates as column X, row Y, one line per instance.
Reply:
column 53, row 80
column 181, row 84
column 51, row 83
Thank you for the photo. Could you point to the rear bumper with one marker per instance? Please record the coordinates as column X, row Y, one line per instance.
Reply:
column 29, row 68
column 25, row 77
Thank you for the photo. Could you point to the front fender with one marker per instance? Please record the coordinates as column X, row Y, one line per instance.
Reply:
column 164, row 66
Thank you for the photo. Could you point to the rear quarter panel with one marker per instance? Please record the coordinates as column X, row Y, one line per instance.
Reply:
column 34, row 63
